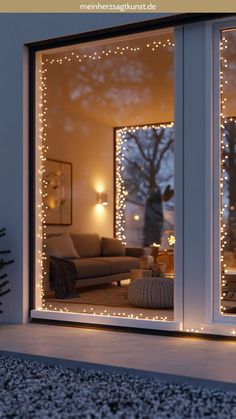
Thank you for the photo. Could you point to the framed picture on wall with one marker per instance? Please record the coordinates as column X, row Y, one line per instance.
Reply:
column 57, row 184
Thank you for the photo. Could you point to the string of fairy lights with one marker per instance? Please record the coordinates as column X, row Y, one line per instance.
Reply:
column 111, row 313
column 121, row 143
column 121, row 192
column 42, row 150
column 153, row 46
column 223, row 173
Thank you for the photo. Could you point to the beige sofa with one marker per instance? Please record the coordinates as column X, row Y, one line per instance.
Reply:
column 96, row 260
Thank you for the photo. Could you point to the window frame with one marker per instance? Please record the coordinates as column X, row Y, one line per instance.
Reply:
column 177, row 323
column 214, row 188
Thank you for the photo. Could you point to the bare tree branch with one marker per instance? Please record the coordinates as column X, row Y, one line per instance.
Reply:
column 135, row 164
column 135, row 187
column 163, row 151
column 158, row 138
column 139, row 146
column 135, row 202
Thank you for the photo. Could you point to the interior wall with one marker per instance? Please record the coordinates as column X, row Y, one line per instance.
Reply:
column 88, row 145
column 87, row 98
column 129, row 87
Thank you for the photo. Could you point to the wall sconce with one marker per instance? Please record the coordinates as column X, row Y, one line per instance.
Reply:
column 102, row 199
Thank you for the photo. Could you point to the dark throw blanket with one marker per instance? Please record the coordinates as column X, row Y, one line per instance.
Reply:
column 62, row 277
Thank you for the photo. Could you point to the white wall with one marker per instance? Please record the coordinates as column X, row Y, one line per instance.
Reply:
column 88, row 145
column 86, row 100
column 15, row 31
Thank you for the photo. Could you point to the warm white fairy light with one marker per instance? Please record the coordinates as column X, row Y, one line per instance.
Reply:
column 223, row 174
column 223, row 63
column 42, row 149
column 121, row 193
column 153, row 46
column 109, row 313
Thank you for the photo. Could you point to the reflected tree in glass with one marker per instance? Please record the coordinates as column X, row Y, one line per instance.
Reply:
column 149, row 183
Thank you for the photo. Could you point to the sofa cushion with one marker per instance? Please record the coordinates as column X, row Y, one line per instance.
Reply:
column 87, row 245
column 91, row 267
column 136, row 252
column 61, row 246
column 112, row 247
column 120, row 264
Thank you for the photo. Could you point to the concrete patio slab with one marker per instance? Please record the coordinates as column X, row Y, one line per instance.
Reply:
column 196, row 361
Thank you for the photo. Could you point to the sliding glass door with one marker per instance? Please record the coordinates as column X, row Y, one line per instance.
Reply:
column 105, row 180
column 226, row 155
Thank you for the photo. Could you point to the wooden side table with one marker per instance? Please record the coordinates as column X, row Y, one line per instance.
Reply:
column 167, row 258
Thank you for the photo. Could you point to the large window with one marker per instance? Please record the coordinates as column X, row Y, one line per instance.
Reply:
column 135, row 198
column 105, row 206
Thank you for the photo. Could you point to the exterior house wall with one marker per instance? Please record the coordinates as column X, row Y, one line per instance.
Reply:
column 16, row 30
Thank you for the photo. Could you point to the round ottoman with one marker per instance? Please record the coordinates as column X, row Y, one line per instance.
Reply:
column 152, row 292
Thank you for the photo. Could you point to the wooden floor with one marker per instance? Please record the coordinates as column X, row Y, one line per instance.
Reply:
column 106, row 300
column 112, row 311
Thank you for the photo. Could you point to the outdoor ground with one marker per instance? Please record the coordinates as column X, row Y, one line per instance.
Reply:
column 36, row 390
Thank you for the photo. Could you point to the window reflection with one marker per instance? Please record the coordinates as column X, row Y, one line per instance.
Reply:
column 145, row 184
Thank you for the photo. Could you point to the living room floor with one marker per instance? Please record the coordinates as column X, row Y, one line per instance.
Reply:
column 110, row 310
column 106, row 299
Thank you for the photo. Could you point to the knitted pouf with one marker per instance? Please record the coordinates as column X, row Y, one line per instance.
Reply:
column 152, row 292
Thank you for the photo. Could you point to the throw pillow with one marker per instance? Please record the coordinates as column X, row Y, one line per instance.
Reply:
column 61, row 246
column 112, row 247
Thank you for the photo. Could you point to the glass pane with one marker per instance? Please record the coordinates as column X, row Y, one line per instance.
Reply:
column 145, row 184
column 228, row 170
column 102, row 106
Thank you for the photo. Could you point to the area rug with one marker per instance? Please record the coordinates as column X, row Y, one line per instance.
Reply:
column 107, row 294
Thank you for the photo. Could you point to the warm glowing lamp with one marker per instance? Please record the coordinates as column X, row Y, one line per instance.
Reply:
column 102, row 199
